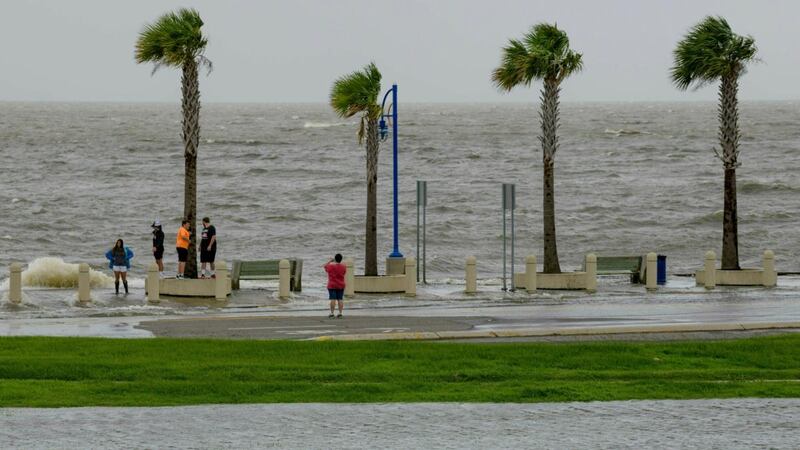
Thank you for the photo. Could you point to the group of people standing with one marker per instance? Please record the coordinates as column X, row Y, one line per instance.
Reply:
column 208, row 248
column 119, row 257
column 119, row 260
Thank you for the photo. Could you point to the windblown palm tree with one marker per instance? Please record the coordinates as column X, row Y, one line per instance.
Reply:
column 357, row 93
column 711, row 52
column 175, row 40
column 542, row 54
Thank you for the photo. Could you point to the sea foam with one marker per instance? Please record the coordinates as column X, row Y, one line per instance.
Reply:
column 56, row 273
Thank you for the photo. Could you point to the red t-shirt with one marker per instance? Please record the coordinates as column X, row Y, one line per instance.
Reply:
column 336, row 273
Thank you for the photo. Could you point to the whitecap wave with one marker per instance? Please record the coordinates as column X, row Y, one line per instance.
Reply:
column 56, row 273
column 624, row 132
column 323, row 124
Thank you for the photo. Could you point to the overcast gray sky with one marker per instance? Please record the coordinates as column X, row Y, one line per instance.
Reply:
column 436, row 50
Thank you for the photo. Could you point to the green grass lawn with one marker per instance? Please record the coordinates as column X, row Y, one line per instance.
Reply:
column 149, row 372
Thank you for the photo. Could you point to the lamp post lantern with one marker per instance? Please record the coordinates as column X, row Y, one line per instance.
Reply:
column 384, row 131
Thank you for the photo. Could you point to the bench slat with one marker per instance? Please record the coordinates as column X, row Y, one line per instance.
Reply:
column 267, row 270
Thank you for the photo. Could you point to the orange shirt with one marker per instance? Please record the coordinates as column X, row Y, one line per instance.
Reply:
column 183, row 238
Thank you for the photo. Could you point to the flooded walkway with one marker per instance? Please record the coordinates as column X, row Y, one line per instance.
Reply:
column 707, row 424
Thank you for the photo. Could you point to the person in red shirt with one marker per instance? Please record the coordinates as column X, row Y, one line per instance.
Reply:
column 336, row 271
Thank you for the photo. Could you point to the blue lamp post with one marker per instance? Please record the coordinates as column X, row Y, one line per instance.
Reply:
column 384, row 131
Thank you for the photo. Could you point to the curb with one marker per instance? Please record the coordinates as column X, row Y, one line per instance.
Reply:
column 542, row 332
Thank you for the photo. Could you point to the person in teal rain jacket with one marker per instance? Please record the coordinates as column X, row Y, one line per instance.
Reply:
column 119, row 260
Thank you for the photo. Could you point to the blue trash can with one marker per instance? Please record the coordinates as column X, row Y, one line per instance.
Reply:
column 661, row 272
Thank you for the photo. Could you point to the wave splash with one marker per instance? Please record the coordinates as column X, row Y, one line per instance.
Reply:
column 56, row 273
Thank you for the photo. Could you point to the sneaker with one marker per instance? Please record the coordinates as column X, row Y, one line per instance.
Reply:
column 330, row 316
column 202, row 276
column 339, row 316
column 213, row 275
column 161, row 275
column 178, row 277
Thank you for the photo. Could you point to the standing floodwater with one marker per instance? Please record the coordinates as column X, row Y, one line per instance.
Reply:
column 286, row 180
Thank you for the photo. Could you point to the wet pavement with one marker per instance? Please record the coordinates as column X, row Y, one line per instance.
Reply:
column 617, row 307
column 705, row 424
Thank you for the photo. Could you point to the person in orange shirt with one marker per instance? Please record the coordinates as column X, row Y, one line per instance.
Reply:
column 182, row 245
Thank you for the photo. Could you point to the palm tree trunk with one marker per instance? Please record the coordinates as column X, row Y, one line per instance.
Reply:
column 549, row 140
column 191, row 139
column 729, row 141
column 371, row 235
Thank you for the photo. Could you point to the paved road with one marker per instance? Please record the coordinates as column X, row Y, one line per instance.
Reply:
column 621, row 310
column 705, row 424
column 503, row 320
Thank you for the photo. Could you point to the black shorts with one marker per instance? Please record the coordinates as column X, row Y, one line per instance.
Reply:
column 159, row 253
column 207, row 256
column 183, row 254
column 335, row 294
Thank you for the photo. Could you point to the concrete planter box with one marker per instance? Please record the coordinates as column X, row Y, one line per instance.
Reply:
column 566, row 280
column 743, row 277
column 710, row 276
column 172, row 287
column 531, row 280
column 385, row 284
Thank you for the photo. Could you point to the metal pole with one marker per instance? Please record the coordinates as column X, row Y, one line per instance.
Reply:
column 425, row 236
column 504, row 237
column 396, row 251
column 419, row 193
column 513, row 205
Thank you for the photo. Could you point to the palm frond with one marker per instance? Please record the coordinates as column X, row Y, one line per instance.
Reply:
column 357, row 92
column 710, row 51
column 172, row 40
column 542, row 53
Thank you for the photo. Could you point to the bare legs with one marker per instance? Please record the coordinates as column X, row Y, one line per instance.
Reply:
column 117, row 276
column 333, row 306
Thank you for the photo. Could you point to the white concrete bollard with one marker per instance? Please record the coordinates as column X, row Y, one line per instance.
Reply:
column 591, row 272
column 283, row 278
column 221, row 282
column 349, row 278
column 411, row 277
column 530, row 274
column 15, row 283
column 651, row 271
column 153, row 284
column 84, row 290
column 710, row 276
column 770, row 275
column 472, row 275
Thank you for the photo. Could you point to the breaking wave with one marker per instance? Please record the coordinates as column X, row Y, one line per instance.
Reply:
column 54, row 272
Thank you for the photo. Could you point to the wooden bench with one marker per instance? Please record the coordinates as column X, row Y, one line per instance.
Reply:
column 267, row 270
column 621, row 265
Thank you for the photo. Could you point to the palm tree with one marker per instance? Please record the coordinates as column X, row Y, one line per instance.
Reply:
column 175, row 40
column 352, row 94
column 711, row 52
column 542, row 54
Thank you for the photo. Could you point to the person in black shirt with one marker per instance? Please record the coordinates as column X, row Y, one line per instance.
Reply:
column 158, row 246
column 208, row 248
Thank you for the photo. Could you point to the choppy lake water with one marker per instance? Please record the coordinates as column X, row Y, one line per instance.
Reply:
column 289, row 180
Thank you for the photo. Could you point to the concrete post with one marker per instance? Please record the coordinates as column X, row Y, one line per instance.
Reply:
column 472, row 275
column 411, row 277
column 770, row 275
column 15, row 284
column 591, row 272
column 651, row 271
column 530, row 274
column 221, row 282
column 349, row 278
column 153, row 284
column 84, row 292
column 710, row 276
column 283, row 277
